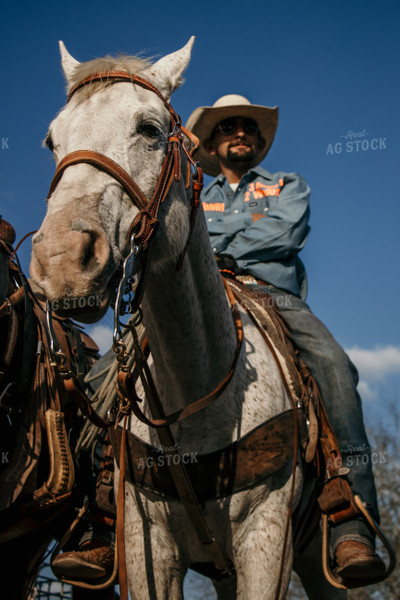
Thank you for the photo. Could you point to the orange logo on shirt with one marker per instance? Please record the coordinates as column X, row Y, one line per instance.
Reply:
column 259, row 190
column 216, row 206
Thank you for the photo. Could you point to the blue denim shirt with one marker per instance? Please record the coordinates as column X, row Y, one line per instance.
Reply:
column 266, row 248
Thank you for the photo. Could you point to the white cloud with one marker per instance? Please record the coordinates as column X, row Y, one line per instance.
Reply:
column 103, row 336
column 375, row 364
column 367, row 391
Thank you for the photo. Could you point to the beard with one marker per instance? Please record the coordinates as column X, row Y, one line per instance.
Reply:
column 244, row 154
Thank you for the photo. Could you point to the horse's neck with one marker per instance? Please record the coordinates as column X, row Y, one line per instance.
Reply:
column 189, row 324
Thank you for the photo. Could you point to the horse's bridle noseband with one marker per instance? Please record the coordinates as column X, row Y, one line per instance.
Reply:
column 145, row 224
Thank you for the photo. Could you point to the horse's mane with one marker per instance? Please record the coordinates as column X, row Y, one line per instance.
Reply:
column 130, row 64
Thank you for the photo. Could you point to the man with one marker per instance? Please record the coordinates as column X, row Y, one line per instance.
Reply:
column 258, row 222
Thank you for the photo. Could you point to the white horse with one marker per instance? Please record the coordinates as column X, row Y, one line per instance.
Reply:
column 78, row 253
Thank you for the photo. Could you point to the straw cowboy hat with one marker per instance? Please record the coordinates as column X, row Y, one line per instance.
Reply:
column 203, row 120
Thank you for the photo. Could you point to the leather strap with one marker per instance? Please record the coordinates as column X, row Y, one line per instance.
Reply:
column 120, row 526
column 105, row 164
column 11, row 301
column 116, row 76
column 80, row 398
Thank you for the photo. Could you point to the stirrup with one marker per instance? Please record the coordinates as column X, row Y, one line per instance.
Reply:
column 335, row 579
column 76, row 582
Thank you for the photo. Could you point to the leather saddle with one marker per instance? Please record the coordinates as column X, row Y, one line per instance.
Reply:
column 37, row 471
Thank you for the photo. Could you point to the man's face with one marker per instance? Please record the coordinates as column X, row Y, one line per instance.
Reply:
column 236, row 142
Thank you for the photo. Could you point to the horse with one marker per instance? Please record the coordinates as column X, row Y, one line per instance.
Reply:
column 122, row 206
column 38, row 479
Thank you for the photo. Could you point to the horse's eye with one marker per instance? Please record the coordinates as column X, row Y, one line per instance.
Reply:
column 149, row 130
column 49, row 142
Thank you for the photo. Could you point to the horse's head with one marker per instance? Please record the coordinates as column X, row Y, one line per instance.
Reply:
column 80, row 246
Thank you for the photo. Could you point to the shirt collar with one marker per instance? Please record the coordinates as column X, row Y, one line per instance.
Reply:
column 251, row 174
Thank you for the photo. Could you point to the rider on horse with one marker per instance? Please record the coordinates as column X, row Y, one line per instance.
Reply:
column 257, row 223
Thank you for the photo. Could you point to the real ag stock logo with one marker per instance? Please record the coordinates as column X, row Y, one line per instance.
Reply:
column 356, row 141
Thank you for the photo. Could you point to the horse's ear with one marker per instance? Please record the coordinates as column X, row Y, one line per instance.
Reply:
column 68, row 63
column 166, row 73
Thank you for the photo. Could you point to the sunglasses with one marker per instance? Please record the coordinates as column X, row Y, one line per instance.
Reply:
column 231, row 125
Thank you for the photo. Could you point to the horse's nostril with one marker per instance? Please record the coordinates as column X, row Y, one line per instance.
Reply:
column 88, row 258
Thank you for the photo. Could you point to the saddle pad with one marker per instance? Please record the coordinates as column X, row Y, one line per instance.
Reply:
column 238, row 466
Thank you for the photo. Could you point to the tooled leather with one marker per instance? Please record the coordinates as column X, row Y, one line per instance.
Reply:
column 218, row 474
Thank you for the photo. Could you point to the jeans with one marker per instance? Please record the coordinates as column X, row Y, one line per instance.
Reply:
column 337, row 379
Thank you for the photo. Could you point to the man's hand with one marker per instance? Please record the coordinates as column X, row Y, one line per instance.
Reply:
column 257, row 216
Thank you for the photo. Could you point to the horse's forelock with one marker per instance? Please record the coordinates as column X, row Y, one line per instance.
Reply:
column 130, row 64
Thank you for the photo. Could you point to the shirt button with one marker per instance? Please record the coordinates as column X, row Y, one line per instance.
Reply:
column 266, row 209
column 209, row 219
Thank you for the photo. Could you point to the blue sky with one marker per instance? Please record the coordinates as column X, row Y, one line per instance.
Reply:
column 331, row 66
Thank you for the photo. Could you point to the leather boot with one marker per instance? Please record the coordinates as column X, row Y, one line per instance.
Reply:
column 357, row 561
column 93, row 560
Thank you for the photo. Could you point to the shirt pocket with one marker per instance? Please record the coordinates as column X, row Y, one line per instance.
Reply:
column 215, row 221
column 258, row 205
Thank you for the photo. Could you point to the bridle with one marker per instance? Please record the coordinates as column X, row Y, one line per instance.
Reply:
column 145, row 224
